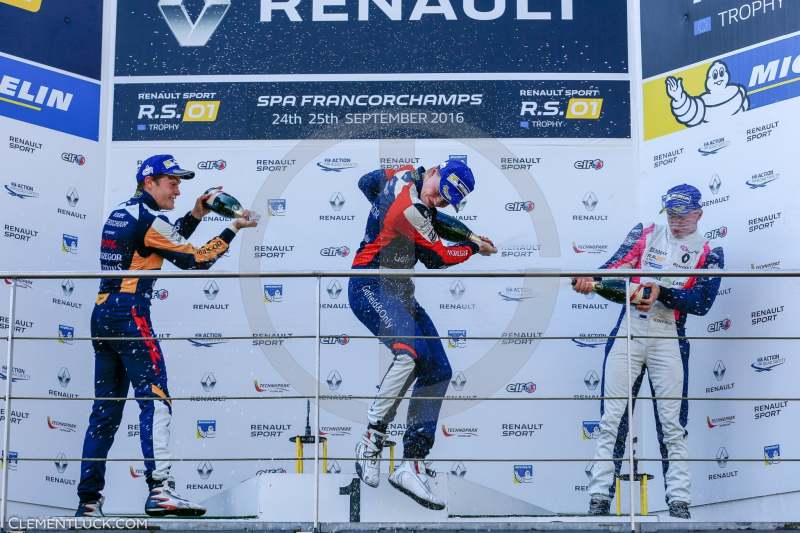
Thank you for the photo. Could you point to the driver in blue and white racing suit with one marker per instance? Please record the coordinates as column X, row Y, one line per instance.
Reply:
column 654, row 247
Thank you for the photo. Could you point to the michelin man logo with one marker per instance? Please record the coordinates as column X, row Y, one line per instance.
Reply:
column 721, row 98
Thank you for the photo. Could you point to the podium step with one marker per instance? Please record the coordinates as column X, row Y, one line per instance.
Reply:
column 343, row 498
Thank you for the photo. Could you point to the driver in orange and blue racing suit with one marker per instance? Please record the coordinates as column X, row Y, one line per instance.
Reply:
column 138, row 236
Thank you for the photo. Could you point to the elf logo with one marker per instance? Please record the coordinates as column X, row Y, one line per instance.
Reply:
column 195, row 33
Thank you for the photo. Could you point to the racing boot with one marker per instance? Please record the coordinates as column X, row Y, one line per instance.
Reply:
column 163, row 501
column 91, row 509
column 679, row 509
column 412, row 478
column 599, row 506
column 368, row 457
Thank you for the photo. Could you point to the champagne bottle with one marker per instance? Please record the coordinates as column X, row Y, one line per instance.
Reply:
column 224, row 204
column 451, row 229
column 613, row 290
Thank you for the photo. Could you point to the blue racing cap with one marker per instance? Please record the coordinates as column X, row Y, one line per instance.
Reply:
column 681, row 199
column 457, row 181
column 162, row 165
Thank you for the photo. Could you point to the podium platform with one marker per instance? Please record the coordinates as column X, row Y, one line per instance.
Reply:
column 290, row 498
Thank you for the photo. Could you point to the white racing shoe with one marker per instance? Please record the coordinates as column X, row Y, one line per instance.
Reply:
column 368, row 457
column 413, row 479
column 163, row 501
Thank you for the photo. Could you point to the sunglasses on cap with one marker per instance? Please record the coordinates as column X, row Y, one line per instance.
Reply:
column 684, row 206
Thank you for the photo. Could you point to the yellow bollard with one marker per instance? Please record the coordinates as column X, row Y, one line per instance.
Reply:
column 643, row 493
column 298, row 451
column 324, row 456
column 642, row 479
column 299, row 442
column 390, row 444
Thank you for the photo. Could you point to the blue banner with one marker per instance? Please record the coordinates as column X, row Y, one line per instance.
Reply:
column 745, row 81
column 64, row 34
column 50, row 99
column 769, row 73
column 676, row 33
column 370, row 36
column 372, row 110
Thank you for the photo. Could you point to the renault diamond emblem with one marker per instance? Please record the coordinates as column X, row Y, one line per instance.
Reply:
column 195, row 33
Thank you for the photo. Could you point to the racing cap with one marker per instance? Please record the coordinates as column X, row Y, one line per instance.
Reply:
column 681, row 199
column 457, row 181
column 162, row 165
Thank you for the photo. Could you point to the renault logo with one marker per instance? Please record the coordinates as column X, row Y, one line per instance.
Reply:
column 722, row 457
column 589, row 201
column 457, row 289
column 63, row 376
column 715, row 184
column 334, row 289
column 337, row 201
column 334, row 380
column 204, row 469
column 211, row 289
column 719, row 370
column 61, row 463
column 195, row 33
column 208, row 381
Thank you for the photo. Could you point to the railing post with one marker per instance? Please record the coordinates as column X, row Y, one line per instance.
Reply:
column 12, row 308
column 316, row 409
column 629, row 445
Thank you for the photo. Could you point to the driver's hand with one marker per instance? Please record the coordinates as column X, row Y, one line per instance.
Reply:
column 486, row 247
column 645, row 304
column 583, row 285
column 200, row 208
column 249, row 220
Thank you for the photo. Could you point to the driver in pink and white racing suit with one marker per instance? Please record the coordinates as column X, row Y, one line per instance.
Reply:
column 654, row 247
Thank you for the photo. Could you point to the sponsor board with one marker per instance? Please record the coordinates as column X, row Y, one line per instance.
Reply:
column 715, row 90
column 372, row 110
column 56, row 101
column 192, row 37
column 675, row 34
column 72, row 32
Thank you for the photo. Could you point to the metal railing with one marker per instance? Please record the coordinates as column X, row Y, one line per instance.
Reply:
column 627, row 274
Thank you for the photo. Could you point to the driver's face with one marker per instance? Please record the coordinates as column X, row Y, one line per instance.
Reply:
column 430, row 194
column 683, row 224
